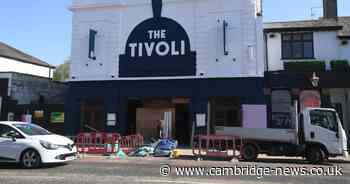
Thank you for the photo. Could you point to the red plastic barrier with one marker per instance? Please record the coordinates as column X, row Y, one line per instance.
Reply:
column 95, row 143
column 129, row 143
column 104, row 143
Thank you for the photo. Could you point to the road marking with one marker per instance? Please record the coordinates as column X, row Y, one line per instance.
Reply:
column 32, row 177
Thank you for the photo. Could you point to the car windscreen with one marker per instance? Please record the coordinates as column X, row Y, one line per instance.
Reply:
column 31, row 129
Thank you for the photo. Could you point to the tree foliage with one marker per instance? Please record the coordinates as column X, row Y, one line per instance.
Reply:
column 62, row 71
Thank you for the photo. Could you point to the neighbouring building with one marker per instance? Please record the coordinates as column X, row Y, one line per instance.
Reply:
column 308, row 61
column 27, row 91
column 186, row 67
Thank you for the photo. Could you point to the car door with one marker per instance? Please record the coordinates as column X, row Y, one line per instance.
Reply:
column 9, row 149
column 324, row 129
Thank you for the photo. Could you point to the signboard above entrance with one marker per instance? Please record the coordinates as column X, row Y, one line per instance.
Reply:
column 158, row 47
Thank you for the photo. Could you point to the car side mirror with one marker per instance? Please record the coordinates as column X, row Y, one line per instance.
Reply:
column 13, row 135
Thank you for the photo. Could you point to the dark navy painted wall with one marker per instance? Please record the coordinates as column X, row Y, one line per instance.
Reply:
column 115, row 94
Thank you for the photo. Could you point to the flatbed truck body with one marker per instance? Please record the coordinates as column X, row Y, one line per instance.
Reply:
column 317, row 135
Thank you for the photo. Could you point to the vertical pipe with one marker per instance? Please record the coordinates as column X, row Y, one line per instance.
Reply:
column 266, row 53
column 208, row 119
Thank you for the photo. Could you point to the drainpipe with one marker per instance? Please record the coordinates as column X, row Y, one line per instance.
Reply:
column 208, row 118
column 266, row 52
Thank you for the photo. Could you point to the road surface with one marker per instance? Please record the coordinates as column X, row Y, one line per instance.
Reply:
column 147, row 170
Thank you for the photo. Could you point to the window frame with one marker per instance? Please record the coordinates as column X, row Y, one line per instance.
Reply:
column 302, row 41
column 280, row 114
column 20, row 136
column 224, row 105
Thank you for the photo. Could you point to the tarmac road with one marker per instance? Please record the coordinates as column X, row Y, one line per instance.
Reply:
column 147, row 170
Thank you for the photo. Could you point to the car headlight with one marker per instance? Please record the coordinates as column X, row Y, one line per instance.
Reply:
column 48, row 145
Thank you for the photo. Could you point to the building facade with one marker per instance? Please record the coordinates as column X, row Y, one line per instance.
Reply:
column 189, row 66
column 27, row 91
column 308, row 61
column 16, row 61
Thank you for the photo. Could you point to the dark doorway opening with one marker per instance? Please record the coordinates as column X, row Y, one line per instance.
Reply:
column 183, row 124
column 133, row 104
column 92, row 115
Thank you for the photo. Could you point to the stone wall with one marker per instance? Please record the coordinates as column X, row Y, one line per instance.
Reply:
column 27, row 89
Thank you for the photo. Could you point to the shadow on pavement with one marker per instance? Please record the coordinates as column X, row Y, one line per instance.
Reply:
column 285, row 161
column 269, row 160
column 18, row 166
column 193, row 158
column 300, row 161
column 338, row 161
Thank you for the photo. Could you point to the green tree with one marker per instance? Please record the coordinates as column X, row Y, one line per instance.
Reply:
column 62, row 71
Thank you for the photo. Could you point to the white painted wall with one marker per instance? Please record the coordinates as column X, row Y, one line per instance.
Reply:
column 115, row 19
column 327, row 46
column 10, row 65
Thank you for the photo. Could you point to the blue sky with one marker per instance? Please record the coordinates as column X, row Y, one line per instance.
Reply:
column 42, row 28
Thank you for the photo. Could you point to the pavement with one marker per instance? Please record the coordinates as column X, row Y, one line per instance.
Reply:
column 97, row 169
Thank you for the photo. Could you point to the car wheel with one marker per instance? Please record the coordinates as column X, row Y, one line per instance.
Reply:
column 30, row 159
column 249, row 153
column 315, row 155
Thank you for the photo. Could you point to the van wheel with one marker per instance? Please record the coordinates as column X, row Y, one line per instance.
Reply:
column 249, row 153
column 30, row 159
column 315, row 155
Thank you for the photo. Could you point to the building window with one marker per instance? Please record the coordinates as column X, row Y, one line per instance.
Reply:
column 227, row 112
column 297, row 46
column 281, row 105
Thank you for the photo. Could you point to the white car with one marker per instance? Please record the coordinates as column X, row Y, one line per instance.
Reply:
column 31, row 146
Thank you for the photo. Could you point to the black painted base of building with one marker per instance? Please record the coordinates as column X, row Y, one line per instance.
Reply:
column 115, row 96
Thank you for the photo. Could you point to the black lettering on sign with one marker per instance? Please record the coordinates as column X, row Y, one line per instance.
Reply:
column 158, row 47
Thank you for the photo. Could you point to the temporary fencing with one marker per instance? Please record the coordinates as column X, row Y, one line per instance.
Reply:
column 104, row 143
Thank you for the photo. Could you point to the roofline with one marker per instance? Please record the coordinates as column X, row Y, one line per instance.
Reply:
column 35, row 76
column 305, row 20
column 30, row 75
column 307, row 28
column 28, row 62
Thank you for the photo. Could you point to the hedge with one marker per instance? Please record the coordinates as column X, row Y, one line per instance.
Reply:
column 305, row 66
column 340, row 65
